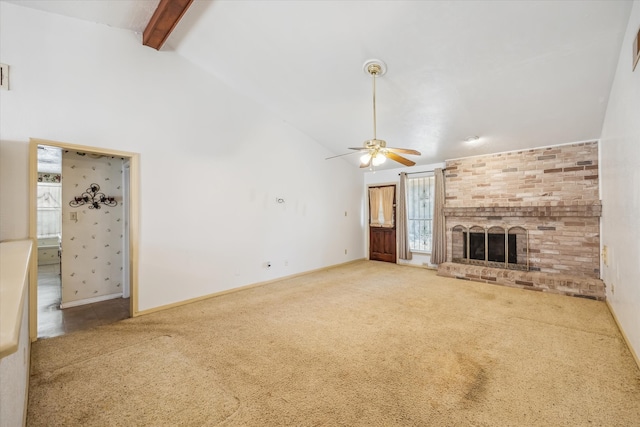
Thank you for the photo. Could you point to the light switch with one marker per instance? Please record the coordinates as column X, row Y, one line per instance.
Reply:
column 4, row 76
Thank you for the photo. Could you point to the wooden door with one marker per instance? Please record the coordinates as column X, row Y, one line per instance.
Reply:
column 382, row 240
column 382, row 244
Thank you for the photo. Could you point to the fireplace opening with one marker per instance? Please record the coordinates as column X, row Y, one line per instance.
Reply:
column 495, row 247
column 504, row 247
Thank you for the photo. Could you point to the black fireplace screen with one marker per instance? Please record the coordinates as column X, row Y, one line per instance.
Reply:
column 494, row 246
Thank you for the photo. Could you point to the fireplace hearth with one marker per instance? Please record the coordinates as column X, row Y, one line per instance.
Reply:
column 527, row 219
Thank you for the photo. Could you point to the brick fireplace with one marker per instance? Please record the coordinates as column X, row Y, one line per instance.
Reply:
column 529, row 219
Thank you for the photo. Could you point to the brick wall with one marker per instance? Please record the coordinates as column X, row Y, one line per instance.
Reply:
column 552, row 192
column 556, row 176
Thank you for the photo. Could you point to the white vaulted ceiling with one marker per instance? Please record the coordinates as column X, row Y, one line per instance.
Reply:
column 128, row 14
column 519, row 74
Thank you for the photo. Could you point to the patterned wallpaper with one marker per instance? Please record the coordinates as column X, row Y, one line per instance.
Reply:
column 49, row 177
column 92, row 245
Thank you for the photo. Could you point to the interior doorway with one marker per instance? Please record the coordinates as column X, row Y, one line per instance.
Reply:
column 49, row 239
column 90, row 308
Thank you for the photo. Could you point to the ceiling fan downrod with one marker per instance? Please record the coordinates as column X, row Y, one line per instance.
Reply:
column 374, row 69
column 376, row 150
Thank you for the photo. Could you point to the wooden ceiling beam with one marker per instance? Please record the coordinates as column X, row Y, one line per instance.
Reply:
column 163, row 21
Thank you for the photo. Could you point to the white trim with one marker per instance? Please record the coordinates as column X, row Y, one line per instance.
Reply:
column 90, row 300
column 596, row 140
column 243, row 288
column 421, row 252
column 602, row 239
column 624, row 335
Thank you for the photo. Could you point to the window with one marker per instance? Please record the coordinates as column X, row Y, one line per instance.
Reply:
column 49, row 203
column 49, row 209
column 381, row 204
column 420, row 201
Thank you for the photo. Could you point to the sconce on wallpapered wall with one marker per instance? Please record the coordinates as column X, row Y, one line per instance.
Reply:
column 93, row 198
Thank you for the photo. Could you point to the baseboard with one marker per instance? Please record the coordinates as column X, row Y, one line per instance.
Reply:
column 26, row 389
column 90, row 300
column 624, row 336
column 422, row 266
column 238, row 289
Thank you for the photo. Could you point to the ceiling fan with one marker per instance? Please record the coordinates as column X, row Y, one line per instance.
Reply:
column 375, row 150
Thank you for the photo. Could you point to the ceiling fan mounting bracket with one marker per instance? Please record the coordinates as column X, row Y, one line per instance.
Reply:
column 375, row 143
column 375, row 67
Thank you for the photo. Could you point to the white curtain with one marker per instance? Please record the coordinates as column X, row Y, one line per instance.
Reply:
column 404, row 252
column 388, row 194
column 439, row 239
column 381, row 200
column 374, row 207
column 49, row 206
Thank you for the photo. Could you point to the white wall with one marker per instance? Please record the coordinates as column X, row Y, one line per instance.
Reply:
column 620, row 178
column 212, row 162
column 14, row 181
column 392, row 176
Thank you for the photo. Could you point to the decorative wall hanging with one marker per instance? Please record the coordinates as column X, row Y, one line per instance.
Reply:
column 93, row 198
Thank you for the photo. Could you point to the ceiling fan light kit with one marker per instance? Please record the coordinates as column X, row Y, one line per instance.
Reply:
column 375, row 160
column 375, row 150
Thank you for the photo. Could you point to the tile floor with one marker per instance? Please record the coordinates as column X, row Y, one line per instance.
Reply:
column 52, row 321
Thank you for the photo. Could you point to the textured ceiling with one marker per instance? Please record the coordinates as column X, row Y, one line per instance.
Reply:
column 519, row 74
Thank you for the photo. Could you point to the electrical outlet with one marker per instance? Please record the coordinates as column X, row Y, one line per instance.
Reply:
column 345, row 251
column 605, row 255
column 613, row 288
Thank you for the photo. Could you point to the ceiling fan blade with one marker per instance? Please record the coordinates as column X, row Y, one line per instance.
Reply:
column 403, row 151
column 367, row 164
column 358, row 148
column 340, row 155
column 399, row 159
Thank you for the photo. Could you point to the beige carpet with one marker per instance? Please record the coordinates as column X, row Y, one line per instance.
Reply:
column 365, row 344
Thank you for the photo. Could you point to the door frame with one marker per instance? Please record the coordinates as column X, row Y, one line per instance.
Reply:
column 368, row 210
column 134, row 221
